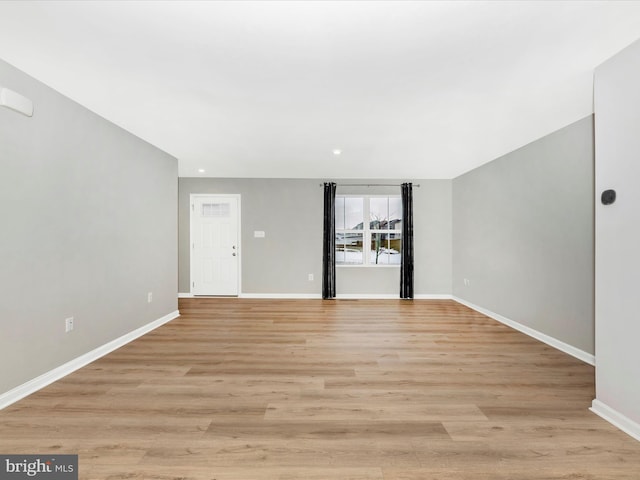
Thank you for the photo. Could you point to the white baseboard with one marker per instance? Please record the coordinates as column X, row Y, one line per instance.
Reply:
column 554, row 342
column 367, row 296
column 260, row 295
column 350, row 296
column 281, row 295
column 51, row 376
column 616, row 419
column 389, row 296
column 432, row 296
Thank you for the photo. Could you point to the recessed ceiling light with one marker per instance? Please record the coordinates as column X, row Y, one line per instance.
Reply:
column 201, row 170
column 337, row 151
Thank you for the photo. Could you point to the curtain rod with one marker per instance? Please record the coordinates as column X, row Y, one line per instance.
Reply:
column 370, row 184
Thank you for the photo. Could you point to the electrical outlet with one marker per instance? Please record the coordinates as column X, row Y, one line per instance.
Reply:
column 68, row 324
column 467, row 282
column 149, row 297
column 311, row 277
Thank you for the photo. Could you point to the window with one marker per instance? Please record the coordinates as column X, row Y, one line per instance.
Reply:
column 373, row 242
column 221, row 210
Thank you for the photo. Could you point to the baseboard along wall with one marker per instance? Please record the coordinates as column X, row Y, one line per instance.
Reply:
column 543, row 337
column 51, row 376
column 616, row 419
column 349, row 296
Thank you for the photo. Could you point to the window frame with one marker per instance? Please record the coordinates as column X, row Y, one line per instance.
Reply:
column 367, row 232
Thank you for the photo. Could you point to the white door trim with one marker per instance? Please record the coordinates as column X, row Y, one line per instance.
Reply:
column 192, row 198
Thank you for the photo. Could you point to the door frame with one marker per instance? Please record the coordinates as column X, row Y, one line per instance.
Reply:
column 192, row 198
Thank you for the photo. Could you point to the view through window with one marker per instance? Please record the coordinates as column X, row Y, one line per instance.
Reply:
column 375, row 241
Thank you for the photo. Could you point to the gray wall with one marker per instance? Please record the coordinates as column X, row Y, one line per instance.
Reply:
column 523, row 236
column 289, row 211
column 617, row 113
column 88, row 228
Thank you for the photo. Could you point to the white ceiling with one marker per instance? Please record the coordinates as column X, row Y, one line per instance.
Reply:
column 269, row 89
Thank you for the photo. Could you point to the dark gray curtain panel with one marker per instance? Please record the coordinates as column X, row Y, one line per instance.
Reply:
column 406, row 256
column 329, row 242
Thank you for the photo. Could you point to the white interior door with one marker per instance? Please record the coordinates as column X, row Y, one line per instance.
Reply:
column 215, row 251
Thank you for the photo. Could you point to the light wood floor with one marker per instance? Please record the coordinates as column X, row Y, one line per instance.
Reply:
column 239, row 389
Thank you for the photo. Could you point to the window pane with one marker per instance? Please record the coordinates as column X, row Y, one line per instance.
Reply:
column 219, row 210
column 354, row 213
column 339, row 213
column 395, row 213
column 349, row 248
column 385, row 249
column 395, row 247
column 378, row 212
